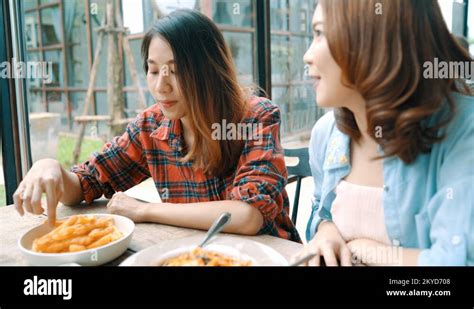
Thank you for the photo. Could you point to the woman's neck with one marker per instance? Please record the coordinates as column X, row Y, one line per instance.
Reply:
column 360, row 117
column 188, row 133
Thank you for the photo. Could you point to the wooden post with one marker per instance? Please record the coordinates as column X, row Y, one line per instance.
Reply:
column 131, row 63
column 113, row 28
column 89, row 96
column 115, row 97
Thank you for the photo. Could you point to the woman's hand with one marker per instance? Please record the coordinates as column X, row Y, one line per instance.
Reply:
column 122, row 204
column 328, row 244
column 44, row 176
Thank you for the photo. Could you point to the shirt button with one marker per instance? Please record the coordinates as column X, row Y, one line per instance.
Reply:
column 456, row 240
column 396, row 242
column 385, row 188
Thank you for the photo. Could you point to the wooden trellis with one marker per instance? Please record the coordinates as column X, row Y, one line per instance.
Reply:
column 115, row 32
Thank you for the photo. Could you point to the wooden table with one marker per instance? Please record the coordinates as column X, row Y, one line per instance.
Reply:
column 12, row 226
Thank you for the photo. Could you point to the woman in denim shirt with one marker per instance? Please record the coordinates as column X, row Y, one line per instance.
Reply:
column 399, row 143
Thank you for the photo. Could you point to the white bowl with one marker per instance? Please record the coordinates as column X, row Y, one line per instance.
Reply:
column 90, row 257
column 222, row 249
column 231, row 245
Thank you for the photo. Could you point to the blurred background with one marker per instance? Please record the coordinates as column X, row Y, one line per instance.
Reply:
column 268, row 40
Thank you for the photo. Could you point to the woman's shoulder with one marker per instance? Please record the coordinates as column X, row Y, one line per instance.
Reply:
column 259, row 104
column 464, row 107
column 261, row 108
column 462, row 124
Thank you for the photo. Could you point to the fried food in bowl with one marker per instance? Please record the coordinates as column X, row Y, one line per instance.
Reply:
column 82, row 239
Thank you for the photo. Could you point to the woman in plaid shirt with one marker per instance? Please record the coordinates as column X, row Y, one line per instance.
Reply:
column 210, row 146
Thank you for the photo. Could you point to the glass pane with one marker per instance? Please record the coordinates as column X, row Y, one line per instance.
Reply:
column 36, row 104
column 279, row 15
column 102, row 109
column 291, row 37
column 30, row 4
column 301, row 14
column 241, row 46
column 280, row 59
column 164, row 7
column 55, row 62
column 96, row 20
column 50, row 26
column 44, row 131
column 135, row 46
column 31, row 30
column 77, row 47
column 48, row 1
column 133, row 15
column 234, row 13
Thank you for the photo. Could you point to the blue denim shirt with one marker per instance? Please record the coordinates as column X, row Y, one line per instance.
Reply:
column 428, row 204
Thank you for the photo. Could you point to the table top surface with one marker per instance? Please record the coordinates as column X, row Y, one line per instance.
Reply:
column 12, row 226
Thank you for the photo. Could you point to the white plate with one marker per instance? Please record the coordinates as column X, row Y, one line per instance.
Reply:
column 91, row 257
column 240, row 248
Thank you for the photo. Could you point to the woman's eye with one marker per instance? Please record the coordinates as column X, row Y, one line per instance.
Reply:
column 153, row 73
column 318, row 33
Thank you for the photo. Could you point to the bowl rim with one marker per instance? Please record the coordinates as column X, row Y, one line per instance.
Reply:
column 186, row 249
column 65, row 254
column 141, row 257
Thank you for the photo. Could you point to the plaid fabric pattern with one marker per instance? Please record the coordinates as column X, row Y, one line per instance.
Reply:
column 153, row 145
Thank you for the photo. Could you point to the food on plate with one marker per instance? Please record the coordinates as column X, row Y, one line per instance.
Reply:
column 78, row 233
column 201, row 257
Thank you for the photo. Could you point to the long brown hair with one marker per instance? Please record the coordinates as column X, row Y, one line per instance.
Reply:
column 381, row 47
column 208, row 82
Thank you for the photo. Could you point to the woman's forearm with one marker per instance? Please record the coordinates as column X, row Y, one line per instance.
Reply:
column 245, row 219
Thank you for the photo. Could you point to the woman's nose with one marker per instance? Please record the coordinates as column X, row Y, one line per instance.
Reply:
column 162, row 84
column 308, row 56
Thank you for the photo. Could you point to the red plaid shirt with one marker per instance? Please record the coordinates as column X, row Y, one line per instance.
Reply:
column 152, row 146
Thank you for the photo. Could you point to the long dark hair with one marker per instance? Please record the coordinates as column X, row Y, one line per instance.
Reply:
column 208, row 82
column 382, row 57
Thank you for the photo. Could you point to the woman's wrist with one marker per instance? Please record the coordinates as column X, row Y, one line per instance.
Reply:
column 150, row 212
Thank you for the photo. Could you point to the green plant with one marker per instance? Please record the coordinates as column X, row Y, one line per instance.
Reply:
column 66, row 148
column 3, row 198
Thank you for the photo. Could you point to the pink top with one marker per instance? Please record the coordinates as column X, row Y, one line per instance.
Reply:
column 357, row 212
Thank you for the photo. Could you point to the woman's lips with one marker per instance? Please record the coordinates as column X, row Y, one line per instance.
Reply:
column 168, row 104
column 317, row 81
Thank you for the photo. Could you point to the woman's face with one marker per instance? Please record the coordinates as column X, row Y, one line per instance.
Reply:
column 330, row 92
column 162, row 80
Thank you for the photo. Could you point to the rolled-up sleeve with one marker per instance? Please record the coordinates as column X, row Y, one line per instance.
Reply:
column 261, row 175
column 120, row 165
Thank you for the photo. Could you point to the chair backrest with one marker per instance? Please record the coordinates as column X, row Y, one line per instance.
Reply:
column 302, row 168
column 297, row 173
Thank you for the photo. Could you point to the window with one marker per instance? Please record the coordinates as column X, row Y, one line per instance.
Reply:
column 64, row 34
column 291, row 36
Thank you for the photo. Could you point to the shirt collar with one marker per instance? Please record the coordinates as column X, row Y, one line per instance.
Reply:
column 168, row 129
column 338, row 151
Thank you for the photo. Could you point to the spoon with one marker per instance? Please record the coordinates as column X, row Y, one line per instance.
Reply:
column 216, row 227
